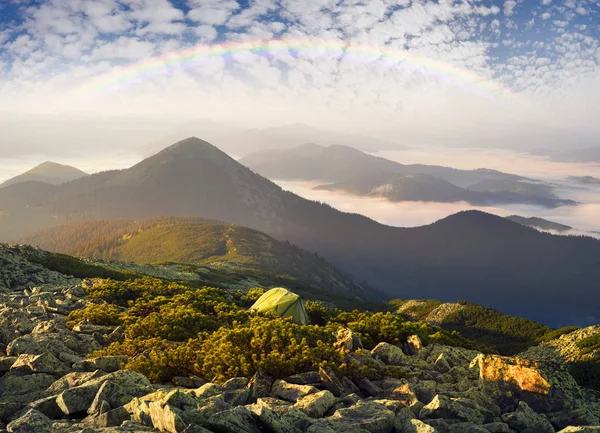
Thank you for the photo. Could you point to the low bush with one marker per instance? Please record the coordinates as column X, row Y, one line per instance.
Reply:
column 97, row 314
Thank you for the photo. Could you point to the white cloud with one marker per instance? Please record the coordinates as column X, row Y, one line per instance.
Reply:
column 211, row 12
column 509, row 7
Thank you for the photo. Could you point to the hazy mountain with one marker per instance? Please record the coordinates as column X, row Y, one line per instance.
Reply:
column 540, row 223
column 582, row 154
column 194, row 241
column 471, row 255
column 350, row 170
column 589, row 180
column 47, row 172
column 398, row 187
column 424, row 187
column 343, row 163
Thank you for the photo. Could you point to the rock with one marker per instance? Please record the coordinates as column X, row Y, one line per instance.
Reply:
column 349, row 386
column 112, row 418
column 348, row 341
column 317, row 404
column 398, row 389
column 236, row 420
column 442, row 363
column 331, row 381
column 77, row 399
column 452, row 409
column 236, row 383
column 369, row 387
column 188, row 382
column 271, row 416
column 388, row 354
column 6, row 362
column 514, row 372
column 32, row 422
column 109, row 364
column 73, row 379
column 119, row 388
column 260, row 385
column 413, row 345
column 45, row 363
column 466, row 427
column 291, row 392
column 23, row 345
column 208, row 390
column 237, row 397
column 497, row 427
column 525, row 418
column 87, row 328
column 367, row 415
column 589, row 429
column 48, row 406
column 308, row 378
column 13, row 384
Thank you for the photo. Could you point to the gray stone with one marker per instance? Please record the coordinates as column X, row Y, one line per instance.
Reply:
column 308, row 378
column 452, row 409
column 317, row 404
column 32, row 422
column 371, row 416
column 497, row 427
column 44, row 363
column 291, row 392
column 331, row 381
column 236, row 420
column 388, row 354
column 77, row 399
column 526, row 419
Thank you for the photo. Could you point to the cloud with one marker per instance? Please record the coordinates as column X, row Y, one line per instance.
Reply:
column 445, row 69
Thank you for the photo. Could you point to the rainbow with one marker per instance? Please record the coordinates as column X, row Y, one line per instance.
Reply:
column 121, row 77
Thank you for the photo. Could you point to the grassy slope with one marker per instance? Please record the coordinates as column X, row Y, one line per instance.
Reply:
column 196, row 242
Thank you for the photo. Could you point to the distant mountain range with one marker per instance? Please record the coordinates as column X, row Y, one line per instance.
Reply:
column 585, row 179
column 540, row 223
column 354, row 172
column 47, row 172
column 471, row 255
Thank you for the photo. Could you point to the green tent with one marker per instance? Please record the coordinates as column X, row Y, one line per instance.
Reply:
column 283, row 303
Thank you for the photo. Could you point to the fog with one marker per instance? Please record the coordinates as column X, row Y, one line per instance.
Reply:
column 584, row 217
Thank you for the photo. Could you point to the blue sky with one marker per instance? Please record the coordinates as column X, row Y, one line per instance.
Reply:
column 542, row 55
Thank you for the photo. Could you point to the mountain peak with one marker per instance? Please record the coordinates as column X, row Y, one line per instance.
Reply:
column 47, row 172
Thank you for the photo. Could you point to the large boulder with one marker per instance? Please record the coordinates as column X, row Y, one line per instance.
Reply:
column 454, row 409
column 317, row 404
column 367, row 415
column 525, row 419
column 32, row 422
column 44, row 363
column 290, row 391
column 348, row 341
column 388, row 354
column 120, row 388
column 236, row 420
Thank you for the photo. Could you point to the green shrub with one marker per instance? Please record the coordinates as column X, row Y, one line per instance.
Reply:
column 552, row 335
column 589, row 344
column 586, row 374
column 98, row 314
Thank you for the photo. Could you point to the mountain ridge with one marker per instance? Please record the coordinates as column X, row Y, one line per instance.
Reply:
column 47, row 172
column 483, row 258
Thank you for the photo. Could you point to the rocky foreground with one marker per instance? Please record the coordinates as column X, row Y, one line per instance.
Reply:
column 47, row 384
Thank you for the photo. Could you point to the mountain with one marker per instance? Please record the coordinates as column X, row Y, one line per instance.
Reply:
column 198, row 242
column 470, row 255
column 586, row 154
column 424, row 187
column 339, row 163
column 589, row 180
column 355, row 172
column 540, row 223
column 47, row 172
column 398, row 187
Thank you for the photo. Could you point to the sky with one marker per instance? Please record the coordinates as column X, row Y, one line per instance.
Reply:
column 91, row 76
